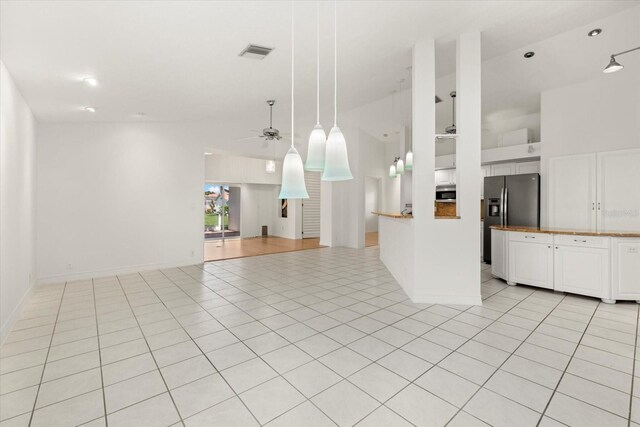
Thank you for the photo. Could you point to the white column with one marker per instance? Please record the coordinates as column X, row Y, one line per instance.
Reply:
column 447, row 251
column 423, row 189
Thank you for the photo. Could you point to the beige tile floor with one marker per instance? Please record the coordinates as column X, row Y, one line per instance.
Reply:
column 321, row 337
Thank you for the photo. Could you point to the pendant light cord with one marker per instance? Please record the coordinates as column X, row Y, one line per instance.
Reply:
column 335, row 63
column 292, row 78
column 318, row 62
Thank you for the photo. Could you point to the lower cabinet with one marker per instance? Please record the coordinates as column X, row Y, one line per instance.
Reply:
column 582, row 265
column 531, row 263
column 499, row 253
column 625, row 277
column 597, row 266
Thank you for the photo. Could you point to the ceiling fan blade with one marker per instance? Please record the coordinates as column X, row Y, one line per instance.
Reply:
column 248, row 138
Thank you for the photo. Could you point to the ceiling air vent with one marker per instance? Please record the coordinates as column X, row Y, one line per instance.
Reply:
column 256, row 52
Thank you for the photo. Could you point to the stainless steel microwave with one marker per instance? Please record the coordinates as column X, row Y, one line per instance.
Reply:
column 446, row 193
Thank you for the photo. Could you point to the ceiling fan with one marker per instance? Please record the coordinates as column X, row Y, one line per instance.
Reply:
column 270, row 133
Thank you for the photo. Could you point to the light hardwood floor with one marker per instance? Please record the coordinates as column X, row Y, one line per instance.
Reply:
column 239, row 248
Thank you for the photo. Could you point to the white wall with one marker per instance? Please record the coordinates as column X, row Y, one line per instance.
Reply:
column 17, row 201
column 226, row 168
column 117, row 198
column 602, row 114
column 371, row 202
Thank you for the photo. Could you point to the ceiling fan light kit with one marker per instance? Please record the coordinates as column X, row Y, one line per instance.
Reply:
column 293, row 185
column 336, row 166
column 317, row 138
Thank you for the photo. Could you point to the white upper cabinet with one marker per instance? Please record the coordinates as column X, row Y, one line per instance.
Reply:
column 445, row 177
column 527, row 167
column 618, row 204
column 597, row 191
column 572, row 192
column 503, row 169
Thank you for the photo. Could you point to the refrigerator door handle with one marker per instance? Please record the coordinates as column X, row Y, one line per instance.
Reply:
column 502, row 206
column 506, row 205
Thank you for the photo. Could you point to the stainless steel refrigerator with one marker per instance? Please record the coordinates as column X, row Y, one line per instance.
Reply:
column 510, row 200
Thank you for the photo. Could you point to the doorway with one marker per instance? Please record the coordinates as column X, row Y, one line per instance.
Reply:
column 371, row 204
column 221, row 211
column 311, row 206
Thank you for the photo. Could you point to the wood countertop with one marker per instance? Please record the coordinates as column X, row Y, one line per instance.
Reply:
column 567, row 232
column 400, row 216
column 393, row 215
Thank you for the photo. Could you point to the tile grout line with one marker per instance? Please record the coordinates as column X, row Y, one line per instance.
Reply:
column 399, row 348
column 199, row 348
column 33, row 410
column 633, row 370
column 150, row 352
column 546, row 407
column 104, row 398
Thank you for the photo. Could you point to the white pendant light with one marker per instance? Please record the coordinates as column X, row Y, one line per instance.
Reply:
column 392, row 171
column 293, row 185
column 318, row 138
column 408, row 165
column 400, row 167
column 336, row 167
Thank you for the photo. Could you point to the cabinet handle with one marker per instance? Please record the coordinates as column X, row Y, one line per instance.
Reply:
column 549, row 247
column 529, row 237
column 556, row 247
column 598, row 205
column 579, row 241
column 593, row 206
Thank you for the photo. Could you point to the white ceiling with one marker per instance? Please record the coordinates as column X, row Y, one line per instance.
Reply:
column 177, row 61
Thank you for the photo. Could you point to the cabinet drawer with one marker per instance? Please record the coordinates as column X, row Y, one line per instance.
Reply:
column 583, row 241
column 530, row 237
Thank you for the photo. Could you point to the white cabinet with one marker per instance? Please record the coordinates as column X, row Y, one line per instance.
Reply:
column 595, row 191
column 625, row 268
column 618, row 201
column 485, row 172
column 572, row 192
column 531, row 259
column 582, row 265
column 527, row 167
column 499, row 253
column 503, row 169
column 445, row 177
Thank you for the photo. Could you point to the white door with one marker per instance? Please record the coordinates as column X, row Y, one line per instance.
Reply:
column 485, row 171
column 499, row 253
column 527, row 167
column 503, row 169
column 531, row 264
column 311, row 206
column 582, row 270
column 572, row 192
column 618, row 204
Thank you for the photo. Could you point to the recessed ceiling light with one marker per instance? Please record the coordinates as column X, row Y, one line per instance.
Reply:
column 529, row 54
column 90, row 109
column 91, row 81
column 594, row 32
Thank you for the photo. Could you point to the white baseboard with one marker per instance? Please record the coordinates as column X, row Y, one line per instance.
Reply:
column 66, row 277
column 15, row 314
column 424, row 298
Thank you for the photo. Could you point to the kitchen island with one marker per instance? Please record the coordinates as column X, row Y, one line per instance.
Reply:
column 602, row 264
